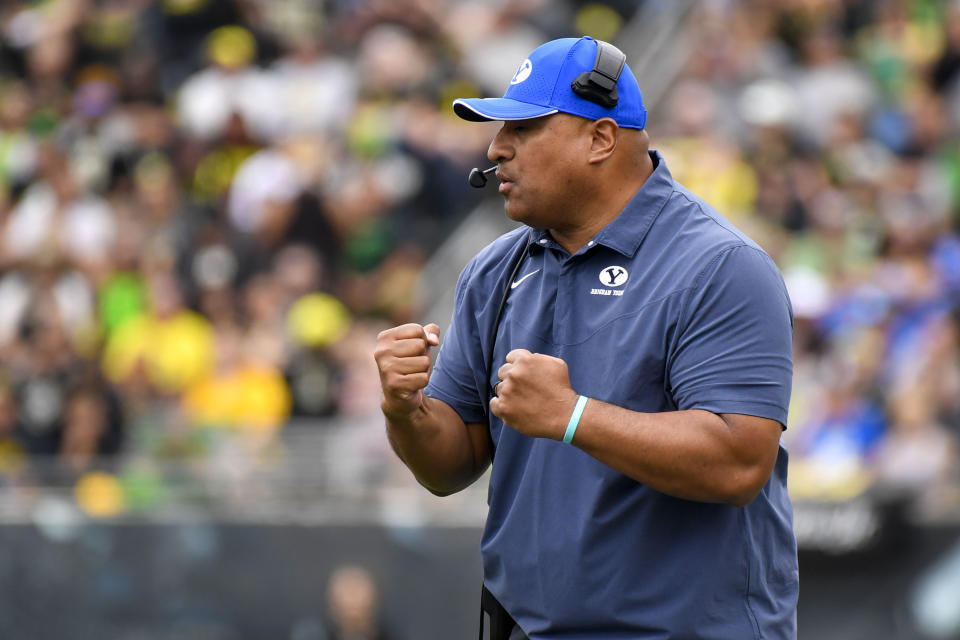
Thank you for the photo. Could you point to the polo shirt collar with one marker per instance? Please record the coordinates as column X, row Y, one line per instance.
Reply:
column 625, row 233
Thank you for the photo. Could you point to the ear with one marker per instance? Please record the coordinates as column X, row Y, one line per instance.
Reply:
column 604, row 139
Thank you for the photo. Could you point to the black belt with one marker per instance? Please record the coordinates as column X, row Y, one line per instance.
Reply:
column 501, row 623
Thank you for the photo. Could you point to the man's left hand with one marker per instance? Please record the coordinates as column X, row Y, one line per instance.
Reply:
column 534, row 395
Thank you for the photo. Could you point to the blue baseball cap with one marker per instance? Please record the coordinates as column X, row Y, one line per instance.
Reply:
column 542, row 86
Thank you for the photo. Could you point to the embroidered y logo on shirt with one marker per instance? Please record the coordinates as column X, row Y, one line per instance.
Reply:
column 613, row 276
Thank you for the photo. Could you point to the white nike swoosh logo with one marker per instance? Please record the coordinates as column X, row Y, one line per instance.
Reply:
column 517, row 283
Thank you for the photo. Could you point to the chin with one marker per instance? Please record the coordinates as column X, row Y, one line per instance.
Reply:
column 518, row 214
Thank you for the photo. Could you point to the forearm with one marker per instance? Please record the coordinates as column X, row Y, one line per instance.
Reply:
column 695, row 455
column 444, row 454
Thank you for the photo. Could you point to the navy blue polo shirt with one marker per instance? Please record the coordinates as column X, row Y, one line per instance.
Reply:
column 667, row 308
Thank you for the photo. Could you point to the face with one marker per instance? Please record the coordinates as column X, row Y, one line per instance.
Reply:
column 542, row 163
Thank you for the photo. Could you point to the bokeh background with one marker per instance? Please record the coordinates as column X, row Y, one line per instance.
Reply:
column 209, row 208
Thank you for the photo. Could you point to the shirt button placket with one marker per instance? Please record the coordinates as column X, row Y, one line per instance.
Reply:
column 561, row 328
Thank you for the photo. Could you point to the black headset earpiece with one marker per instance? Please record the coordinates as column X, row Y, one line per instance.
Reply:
column 600, row 84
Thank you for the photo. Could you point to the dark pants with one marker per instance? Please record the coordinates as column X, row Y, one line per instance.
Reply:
column 502, row 626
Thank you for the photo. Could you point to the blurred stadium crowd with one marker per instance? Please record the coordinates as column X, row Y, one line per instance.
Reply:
column 209, row 208
column 829, row 132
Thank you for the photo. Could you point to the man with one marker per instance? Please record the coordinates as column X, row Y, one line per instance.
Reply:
column 637, row 389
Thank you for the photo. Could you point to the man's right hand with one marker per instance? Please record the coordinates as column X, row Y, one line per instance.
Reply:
column 403, row 358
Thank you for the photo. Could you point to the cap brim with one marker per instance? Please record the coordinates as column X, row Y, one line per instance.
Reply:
column 485, row 109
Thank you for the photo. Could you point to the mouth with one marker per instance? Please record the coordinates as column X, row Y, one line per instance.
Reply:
column 505, row 182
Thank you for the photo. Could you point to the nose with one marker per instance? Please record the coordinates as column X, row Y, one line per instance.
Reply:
column 499, row 149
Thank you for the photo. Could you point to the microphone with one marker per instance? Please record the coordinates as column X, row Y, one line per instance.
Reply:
column 478, row 178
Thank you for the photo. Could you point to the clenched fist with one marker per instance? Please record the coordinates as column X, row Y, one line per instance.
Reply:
column 403, row 358
column 534, row 395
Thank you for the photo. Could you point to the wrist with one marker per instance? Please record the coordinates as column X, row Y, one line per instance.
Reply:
column 574, row 421
column 400, row 412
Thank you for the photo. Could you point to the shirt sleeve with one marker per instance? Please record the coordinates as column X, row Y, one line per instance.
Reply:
column 459, row 364
column 733, row 352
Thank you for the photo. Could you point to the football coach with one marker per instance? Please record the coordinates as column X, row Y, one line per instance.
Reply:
column 624, row 361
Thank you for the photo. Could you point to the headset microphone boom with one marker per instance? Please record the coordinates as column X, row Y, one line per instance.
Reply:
column 478, row 178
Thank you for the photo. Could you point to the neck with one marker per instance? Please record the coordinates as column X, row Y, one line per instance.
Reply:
column 603, row 208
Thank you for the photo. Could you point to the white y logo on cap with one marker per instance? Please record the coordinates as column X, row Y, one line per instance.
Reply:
column 523, row 72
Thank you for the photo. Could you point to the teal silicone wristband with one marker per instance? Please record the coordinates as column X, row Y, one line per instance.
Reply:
column 575, row 419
